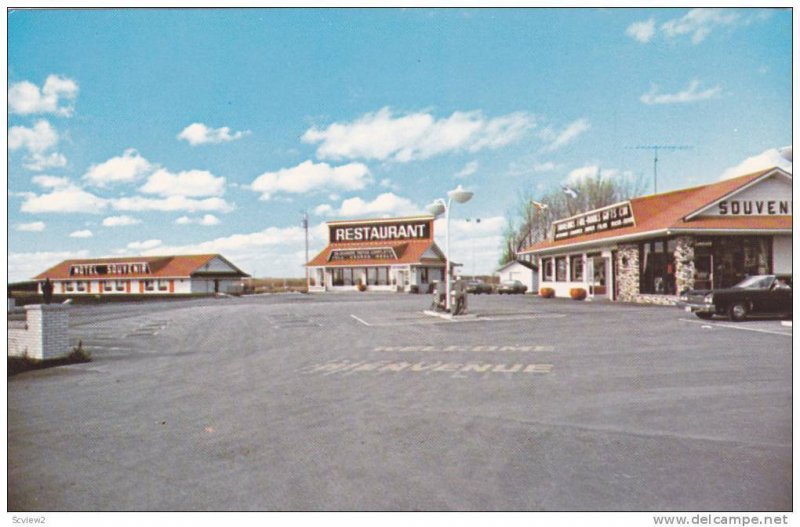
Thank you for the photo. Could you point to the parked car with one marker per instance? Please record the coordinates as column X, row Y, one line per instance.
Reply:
column 477, row 287
column 511, row 287
column 755, row 295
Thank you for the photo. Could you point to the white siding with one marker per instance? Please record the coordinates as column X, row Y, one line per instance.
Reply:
column 782, row 254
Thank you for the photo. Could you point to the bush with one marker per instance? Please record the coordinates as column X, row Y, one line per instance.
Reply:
column 361, row 287
column 547, row 292
column 577, row 293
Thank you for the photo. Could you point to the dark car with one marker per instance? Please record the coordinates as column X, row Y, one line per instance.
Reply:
column 767, row 294
column 477, row 287
column 511, row 287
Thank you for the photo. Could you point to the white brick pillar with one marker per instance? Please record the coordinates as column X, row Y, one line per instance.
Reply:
column 48, row 331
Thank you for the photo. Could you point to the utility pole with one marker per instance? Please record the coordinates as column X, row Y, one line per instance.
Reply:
column 655, row 149
column 305, row 226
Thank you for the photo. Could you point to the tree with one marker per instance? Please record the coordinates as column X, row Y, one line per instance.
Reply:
column 530, row 220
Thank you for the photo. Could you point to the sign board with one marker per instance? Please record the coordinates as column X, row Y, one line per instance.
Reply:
column 117, row 269
column 605, row 219
column 770, row 207
column 381, row 231
column 372, row 253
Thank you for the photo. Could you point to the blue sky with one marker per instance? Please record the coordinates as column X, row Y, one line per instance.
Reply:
column 169, row 131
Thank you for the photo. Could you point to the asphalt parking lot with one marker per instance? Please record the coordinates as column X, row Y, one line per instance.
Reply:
column 361, row 402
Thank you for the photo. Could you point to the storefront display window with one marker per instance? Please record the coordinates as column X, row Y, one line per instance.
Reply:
column 657, row 271
column 548, row 270
column 576, row 268
column 561, row 269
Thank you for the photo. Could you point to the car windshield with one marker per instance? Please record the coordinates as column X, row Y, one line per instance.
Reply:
column 755, row 282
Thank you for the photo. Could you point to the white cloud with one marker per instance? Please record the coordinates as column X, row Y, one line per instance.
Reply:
column 566, row 136
column 85, row 233
column 469, row 169
column 699, row 23
column 206, row 220
column 766, row 159
column 191, row 183
column 309, row 176
column 475, row 245
column 642, row 31
column 23, row 266
column 128, row 167
column 120, row 221
column 36, row 226
column 39, row 162
column 171, row 204
column 583, row 173
column 383, row 136
column 690, row 94
column 52, row 181
column 64, row 199
column 323, row 210
column 26, row 98
column 36, row 140
column 385, row 205
column 547, row 166
column 199, row 134
column 145, row 245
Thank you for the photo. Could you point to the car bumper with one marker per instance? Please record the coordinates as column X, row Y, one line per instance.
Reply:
column 697, row 308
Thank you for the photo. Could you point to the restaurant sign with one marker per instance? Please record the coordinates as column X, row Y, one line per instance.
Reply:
column 372, row 253
column 374, row 231
column 605, row 219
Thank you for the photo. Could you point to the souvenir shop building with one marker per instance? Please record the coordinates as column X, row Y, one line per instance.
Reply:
column 651, row 248
column 391, row 254
column 144, row 275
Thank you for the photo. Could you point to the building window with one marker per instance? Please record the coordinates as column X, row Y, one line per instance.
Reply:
column 148, row 285
column 348, row 275
column 162, row 285
column 70, row 286
column 383, row 276
column 657, row 267
column 548, row 270
column 372, row 276
column 81, row 286
column 120, row 285
column 338, row 276
column 561, row 269
column 423, row 275
column 108, row 286
column 576, row 268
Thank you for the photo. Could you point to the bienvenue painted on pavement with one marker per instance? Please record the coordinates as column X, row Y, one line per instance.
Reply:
column 456, row 369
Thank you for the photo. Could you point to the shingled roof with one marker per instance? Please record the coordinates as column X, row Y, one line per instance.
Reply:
column 408, row 252
column 669, row 211
column 178, row 266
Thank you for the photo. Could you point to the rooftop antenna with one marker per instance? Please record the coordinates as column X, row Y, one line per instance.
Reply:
column 655, row 149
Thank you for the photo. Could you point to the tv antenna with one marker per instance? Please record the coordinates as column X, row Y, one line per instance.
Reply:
column 655, row 149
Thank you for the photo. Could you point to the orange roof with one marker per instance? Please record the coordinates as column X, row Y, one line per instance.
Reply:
column 659, row 212
column 407, row 251
column 160, row 266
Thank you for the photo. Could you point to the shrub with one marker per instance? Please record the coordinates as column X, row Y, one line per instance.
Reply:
column 361, row 287
column 547, row 292
column 577, row 293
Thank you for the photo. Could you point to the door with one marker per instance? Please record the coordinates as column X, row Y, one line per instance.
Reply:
column 598, row 275
column 216, row 286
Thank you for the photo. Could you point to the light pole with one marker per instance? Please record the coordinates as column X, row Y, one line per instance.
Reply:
column 437, row 207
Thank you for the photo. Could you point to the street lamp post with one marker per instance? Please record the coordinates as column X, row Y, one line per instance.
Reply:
column 437, row 207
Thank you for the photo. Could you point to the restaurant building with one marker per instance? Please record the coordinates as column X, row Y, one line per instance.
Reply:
column 389, row 254
column 649, row 249
column 144, row 275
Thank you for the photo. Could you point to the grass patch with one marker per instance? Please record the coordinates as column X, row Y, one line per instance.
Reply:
column 22, row 364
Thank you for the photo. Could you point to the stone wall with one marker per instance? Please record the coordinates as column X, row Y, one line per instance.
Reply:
column 684, row 263
column 44, row 334
column 628, row 269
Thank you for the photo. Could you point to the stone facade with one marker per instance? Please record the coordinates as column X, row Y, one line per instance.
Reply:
column 684, row 263
column 628, row 272
column 43, row 336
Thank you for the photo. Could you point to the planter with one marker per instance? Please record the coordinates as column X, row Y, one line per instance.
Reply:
column 547, row 292
column 577, row 293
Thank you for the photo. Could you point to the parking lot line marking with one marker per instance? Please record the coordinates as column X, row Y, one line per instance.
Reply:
column 360, row 320
column 713, row 324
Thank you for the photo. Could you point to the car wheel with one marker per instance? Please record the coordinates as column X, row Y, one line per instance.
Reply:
column 738, row 311
column 704, row 316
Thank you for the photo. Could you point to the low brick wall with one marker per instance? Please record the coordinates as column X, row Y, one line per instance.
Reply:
column 43, row 335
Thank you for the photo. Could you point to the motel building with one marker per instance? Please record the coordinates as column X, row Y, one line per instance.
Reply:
column 390, row 254
column 144, row 275
column 651, row 248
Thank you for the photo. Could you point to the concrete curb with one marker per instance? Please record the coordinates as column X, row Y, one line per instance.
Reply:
column 448, row 316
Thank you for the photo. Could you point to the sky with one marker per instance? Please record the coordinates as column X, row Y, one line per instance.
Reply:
column 150, row 132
